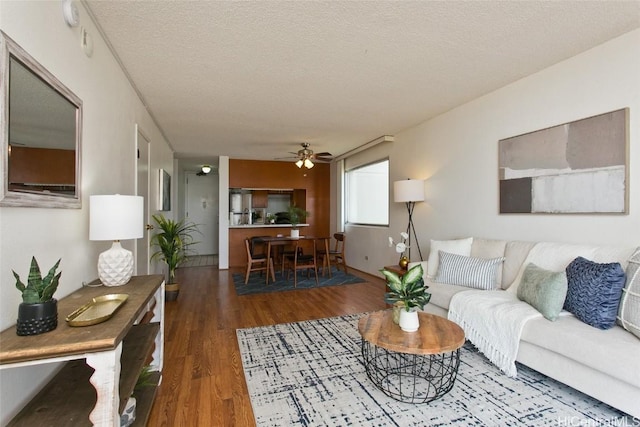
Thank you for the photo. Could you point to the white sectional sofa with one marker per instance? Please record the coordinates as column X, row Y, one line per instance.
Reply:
column 604, row 364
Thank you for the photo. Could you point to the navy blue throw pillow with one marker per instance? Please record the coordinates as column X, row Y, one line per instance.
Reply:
column 594, row 291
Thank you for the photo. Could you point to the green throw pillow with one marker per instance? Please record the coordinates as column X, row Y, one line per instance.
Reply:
column 544, row 290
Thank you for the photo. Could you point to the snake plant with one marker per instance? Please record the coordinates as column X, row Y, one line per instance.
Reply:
column 38, row 289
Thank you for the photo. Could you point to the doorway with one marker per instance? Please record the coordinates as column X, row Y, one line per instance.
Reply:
column 142, row 189
column 202, row 209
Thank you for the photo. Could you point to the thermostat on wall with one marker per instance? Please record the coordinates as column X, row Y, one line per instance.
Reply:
column 86, row 42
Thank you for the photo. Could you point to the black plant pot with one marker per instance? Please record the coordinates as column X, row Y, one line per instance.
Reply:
column 34, row 319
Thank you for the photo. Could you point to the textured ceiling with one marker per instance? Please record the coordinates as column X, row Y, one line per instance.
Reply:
column 254, row 79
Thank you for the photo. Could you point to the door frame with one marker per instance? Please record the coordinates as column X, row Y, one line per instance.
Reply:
column 146, row 233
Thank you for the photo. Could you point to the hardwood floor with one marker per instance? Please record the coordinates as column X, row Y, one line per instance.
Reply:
column 203, row 381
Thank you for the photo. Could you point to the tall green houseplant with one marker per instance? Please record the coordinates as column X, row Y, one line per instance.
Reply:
column 173, row 244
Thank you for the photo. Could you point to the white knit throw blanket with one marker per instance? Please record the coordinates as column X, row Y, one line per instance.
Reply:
column 493, row 322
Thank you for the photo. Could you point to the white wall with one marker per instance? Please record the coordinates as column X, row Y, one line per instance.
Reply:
column 111, row 111
column 457, row 154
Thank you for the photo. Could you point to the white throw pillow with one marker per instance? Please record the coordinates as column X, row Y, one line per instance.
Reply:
column 472, row 272
column 629, row 312
column 458, row 247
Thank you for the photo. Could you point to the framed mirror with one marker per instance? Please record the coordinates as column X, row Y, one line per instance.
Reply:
column 40, row 143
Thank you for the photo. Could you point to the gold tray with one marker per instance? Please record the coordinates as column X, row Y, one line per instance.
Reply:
column 97, row 311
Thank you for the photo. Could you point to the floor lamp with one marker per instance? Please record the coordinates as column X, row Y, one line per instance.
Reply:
column 410, row 191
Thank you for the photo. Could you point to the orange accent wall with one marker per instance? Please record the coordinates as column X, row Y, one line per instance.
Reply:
column 274, row 175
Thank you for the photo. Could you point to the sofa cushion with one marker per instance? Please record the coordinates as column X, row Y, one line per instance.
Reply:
column 515, row 253
column 487, row 248
column 555, row 257
column 594, row 291
column 629, row 313
column 478, row 273
column 544, row 290
column 458, row 247
column 441, row 293
column 613, row 351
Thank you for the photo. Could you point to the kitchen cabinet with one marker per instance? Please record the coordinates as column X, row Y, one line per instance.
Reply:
column 103, row 361
column 260, row 199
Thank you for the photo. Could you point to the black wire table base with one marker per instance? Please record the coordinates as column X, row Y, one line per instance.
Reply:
column 410, row 378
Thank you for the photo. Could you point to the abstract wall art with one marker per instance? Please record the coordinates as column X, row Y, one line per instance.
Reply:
column 577, row 167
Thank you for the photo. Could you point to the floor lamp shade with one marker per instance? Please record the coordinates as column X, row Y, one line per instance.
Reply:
column 115, row 217
column 408, row 190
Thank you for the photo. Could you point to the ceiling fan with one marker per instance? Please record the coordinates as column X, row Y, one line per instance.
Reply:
column 305, row 157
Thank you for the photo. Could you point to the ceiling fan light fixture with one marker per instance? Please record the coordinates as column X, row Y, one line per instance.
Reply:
column 307, row 163
column 299, row 163
column 206, row 169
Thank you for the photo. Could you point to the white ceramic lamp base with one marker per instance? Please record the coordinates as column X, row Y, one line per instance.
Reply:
column 115, row 266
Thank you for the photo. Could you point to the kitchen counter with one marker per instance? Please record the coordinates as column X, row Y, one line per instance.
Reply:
column 266, row 226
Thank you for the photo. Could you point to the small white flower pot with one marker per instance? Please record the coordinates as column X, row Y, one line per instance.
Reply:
column 409, row 321
column 295, row 233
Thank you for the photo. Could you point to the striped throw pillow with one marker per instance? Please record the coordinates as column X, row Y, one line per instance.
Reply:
column 479, row 273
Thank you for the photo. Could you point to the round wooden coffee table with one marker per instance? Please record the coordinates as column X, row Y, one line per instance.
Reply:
column 412, row 367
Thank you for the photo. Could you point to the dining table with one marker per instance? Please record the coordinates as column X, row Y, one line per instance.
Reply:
column 287, row 240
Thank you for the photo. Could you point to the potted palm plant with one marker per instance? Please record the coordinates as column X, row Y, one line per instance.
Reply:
column 173, row 243
column 296, row 216
column 38, row 311
column 410, row 293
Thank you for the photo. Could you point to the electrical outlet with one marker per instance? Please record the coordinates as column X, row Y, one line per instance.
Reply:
column 366, row 257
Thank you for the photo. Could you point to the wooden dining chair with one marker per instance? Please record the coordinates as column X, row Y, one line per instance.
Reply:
column 335, row 256
column 299, row 261
column 257, row 262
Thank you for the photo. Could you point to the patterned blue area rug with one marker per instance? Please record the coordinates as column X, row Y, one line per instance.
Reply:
column 256, row 283
column 310, row 374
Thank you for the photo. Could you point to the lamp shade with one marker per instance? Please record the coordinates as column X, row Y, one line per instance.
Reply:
column 408, row 190
column 116, row 217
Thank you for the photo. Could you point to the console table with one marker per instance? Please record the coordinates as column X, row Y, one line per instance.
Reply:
column 103, row 360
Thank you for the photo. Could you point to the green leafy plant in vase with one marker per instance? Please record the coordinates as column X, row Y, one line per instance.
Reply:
column 38, row 312
column 173, row 245
column 409, row 293
column 296, row 216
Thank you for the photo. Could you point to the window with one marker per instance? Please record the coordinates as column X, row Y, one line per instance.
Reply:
column 367, row 194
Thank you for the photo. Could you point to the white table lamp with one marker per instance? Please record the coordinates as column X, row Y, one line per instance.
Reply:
column 410, row 191
column 115, row 217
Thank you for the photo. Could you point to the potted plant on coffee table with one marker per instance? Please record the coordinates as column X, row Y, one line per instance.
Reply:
column 409, row 290
column 38, row 312
column 173, row 243
column 296, row 216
